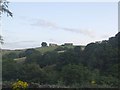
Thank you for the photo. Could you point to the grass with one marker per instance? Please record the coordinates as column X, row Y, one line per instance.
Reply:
column 51, row 48
column 20, row 60
column 46, row 49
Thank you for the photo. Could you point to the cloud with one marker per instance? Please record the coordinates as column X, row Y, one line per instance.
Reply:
column 19, row 45
column 44, row 23
column 19, row 42
column 52, row 40
column 81, row 31
column 105, row 36
column 47, row 24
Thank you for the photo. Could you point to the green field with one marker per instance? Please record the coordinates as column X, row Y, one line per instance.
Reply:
column 46, row 49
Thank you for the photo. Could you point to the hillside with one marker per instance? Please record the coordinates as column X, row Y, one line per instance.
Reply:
column 46, row 49
column 40, row 49
column 95, row 66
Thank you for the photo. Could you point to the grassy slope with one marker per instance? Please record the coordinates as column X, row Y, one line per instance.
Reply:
column 41, row 49
column 20, row 60
column 46, row 49
column 50, row 48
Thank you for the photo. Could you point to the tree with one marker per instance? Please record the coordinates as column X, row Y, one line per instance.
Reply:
column 11, row 55
column 32, row 73
column 72, row 74
column 49, row 58
column 67, row 57
column 4, row 8
column 1, row 39
column 9, row 69
column 77, row 49
column 52, row 75
column 34, row 56
column 44, row 44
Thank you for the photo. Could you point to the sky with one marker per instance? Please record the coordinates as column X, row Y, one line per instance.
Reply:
column 79, row 23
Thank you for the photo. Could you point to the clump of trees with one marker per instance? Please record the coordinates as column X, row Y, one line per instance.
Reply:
column 96, row 65
column 43, row 44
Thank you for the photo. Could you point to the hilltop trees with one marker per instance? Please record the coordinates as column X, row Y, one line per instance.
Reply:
column 44, row 44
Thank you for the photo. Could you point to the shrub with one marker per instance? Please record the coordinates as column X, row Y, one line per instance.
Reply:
column 19, row 85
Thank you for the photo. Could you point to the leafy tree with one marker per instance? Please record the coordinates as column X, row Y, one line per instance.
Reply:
column 79, row 53
column 108, row 80
column 77, row 49
column 32, row 73
column 44, row 44
column 33, row 56
column 52, row 76
column 9, row 56
column 72, row 74
column 68, row 57
column 49, row 58
column 4, row 7
column 1, row 39
column 9, row 70
column 27, row 52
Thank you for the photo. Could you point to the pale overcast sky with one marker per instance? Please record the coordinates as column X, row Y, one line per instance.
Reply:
column 79, row 23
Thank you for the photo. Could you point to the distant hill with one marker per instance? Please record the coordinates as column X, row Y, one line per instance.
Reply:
column 59, row 48
column 6, row 51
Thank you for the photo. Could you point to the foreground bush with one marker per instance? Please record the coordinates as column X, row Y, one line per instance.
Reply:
column 19, row 85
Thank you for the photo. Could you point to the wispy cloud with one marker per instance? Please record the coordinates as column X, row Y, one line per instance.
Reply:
column 47, row 24
column 105, row 36
column 52, row 40
column 19, row 45
column 18, row 42
column 81, row 31
column 44, row 23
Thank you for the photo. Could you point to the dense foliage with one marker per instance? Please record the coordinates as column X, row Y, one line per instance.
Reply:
column 96, row 65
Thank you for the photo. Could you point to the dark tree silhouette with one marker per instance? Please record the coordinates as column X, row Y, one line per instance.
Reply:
column 4, row 8
column 44, row 44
